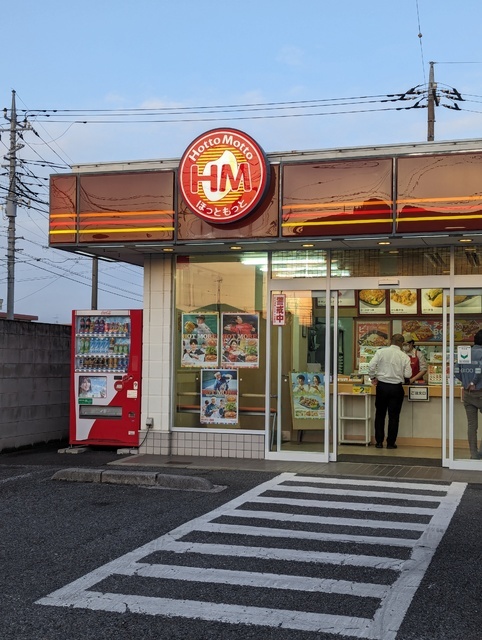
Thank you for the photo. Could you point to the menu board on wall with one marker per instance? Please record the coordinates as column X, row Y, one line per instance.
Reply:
column 403, row 301
column 372, row 302
column 346, row 298
column 423, row 330
column 373, row 334
column 465, row 330
column 432, row 302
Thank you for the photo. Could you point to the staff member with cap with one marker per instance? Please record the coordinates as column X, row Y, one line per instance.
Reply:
column 387, row 370
column 417, row 359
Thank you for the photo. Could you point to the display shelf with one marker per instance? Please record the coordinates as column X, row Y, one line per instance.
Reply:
column 344, row 417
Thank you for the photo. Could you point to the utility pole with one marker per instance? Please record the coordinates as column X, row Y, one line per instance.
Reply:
column 12, row 210
column 431, row 100
column 95, row 282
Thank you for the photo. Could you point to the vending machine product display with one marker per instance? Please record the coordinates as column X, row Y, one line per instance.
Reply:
column 106, row 377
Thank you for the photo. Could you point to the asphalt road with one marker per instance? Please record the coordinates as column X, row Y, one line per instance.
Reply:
column 53, row 533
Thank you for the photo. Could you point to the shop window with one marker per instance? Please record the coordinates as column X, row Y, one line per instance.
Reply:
column 468, row 261
column 220, row 341
column 299, row 264
column 379, row 263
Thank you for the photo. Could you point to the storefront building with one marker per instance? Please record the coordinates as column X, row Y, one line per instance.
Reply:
column 271, row 280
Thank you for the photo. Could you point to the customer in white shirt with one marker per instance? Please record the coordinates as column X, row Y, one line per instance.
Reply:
column 387, row 370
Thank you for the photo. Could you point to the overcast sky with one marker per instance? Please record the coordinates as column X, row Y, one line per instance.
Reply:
column 318, row 72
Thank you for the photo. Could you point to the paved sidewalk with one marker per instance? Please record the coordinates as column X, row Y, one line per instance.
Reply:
column 361, row 469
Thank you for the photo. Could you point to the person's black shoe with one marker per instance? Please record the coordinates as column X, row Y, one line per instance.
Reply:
column 391, row 446
column 378, row 445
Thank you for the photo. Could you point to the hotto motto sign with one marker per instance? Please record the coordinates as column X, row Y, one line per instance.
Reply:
column 223, row 175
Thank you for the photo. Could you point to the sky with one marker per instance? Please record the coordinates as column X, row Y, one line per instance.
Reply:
column 127, row 80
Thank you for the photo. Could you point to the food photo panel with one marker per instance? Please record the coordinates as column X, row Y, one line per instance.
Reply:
column 403, row 301
column 372, row 301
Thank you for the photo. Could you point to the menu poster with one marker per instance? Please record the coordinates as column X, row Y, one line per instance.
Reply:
column 372, row 302
column 240, row 339
column 423, row 330
column 403, row 301
column 308, row 395
column 373, row 334
column 465, row 330
column 346, row 298
column 366, row 355
column 432, row 302
column 219, row 396
column 199, row 341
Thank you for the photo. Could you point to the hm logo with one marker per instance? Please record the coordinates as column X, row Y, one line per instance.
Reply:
column 221, row 176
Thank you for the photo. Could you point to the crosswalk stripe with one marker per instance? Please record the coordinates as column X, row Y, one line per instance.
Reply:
column 252, row 579
column 362, row 494
column 232, row 529
column 348, row 506
column 289, row 555
column 385, row 484
column 399, row 525
column 221, row 612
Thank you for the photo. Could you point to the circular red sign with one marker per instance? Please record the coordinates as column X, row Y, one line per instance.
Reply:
column 223, row 175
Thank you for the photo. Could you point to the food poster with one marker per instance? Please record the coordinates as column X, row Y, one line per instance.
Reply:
column 346, row 298
column 240, row 339
column 199, row 346
column 366, row 355
column 403, row 301
column 432, row 302
column 219, row 396
column 372, row 301
column 308, row 395
column 423, row 330
column 373, row 334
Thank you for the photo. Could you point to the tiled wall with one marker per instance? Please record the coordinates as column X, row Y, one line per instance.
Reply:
column 194, row 443
column 156, row 348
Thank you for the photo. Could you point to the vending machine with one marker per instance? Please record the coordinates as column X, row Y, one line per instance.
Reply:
column 106, row 377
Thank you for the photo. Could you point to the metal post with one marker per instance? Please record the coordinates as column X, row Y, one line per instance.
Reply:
column 95, row 282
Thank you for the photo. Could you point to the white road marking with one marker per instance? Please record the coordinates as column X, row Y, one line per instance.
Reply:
column 394, row 599
column 332, row 520
column 19, row 477
column 264, row 580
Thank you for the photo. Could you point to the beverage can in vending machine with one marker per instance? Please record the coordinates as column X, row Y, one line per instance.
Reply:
column 81, row 324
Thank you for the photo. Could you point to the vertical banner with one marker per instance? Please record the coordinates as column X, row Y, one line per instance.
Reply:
column 199, row 346
column 240, row 339
column 219, row 396
column 278, row 317
column 308, row 395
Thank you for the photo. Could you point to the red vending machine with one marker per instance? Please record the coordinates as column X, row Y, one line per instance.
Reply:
column 106, row 377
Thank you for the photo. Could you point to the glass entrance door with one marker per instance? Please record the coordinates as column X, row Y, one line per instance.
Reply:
column 301, row 371
column 462, row 364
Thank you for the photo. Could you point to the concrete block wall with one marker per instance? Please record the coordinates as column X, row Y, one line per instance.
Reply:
column 34, row 383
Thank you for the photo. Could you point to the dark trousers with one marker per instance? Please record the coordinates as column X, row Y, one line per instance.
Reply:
column 389, row 397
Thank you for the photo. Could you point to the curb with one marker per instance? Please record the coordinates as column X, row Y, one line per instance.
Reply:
column 150, row 479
